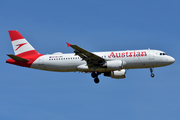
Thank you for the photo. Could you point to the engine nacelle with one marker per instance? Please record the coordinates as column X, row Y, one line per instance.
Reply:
column 114, row 65
column 116, row 74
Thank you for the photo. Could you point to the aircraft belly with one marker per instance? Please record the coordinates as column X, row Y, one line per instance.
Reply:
column 62, row 66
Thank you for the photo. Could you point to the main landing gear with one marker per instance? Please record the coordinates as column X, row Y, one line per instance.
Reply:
column 95, row 76
column 151, row 70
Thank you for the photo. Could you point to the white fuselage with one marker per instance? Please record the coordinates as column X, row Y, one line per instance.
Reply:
column 112, row 64
column 131, row 59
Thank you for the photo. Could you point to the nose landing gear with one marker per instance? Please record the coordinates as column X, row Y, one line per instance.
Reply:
column 95, row 76
column 152, row 74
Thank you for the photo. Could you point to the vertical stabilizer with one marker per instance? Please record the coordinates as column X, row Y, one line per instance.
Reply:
column 20, row 45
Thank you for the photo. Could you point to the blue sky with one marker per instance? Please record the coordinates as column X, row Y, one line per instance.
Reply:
column 96, row 25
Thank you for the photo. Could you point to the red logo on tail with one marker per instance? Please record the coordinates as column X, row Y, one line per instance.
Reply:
column 20, row 45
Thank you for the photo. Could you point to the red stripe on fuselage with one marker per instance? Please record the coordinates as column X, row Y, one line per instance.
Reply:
column 30, row 55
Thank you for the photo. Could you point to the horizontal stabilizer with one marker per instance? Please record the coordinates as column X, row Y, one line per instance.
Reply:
column 16, row 58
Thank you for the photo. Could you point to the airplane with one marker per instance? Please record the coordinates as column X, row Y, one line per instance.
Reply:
column 112, row 64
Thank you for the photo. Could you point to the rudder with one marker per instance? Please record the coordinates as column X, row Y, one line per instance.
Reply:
column 20, row 45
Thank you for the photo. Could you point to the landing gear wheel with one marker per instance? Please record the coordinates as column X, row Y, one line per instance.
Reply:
column 152, row 75
column 96, row 80
column 151, row 70
column 94, row 75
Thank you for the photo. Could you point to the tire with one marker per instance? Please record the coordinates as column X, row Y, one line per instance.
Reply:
column 96, row 80
column 152, row 75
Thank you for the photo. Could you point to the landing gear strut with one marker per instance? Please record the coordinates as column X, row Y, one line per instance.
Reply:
column 95, row 76
column 151, row 70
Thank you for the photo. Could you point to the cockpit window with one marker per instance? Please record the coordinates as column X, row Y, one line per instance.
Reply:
column 163, row 54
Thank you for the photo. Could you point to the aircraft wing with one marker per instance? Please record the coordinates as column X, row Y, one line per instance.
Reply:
column 90, row 58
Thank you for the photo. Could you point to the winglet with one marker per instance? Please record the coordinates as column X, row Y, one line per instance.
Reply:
column 68, row 44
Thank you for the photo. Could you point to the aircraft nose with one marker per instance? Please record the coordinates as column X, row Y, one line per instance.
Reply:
column 171, row 60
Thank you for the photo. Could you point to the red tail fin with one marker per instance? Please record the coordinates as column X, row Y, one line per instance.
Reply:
column 20, row 45
column 25, row 54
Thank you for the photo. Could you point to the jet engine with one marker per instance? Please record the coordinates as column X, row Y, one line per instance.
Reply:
column 115, row 64
column 116, row 74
